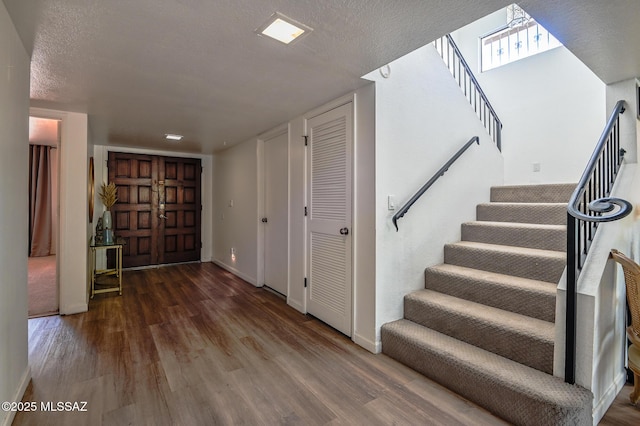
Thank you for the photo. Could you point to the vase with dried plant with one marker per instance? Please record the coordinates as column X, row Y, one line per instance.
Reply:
column 109, row 195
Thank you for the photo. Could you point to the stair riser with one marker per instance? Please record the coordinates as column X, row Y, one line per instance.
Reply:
column 541, row 268
column 543, row 239
column 532, row 351
column 540, row 305
column 501, row 396
column 559, row 193
column 525, row 213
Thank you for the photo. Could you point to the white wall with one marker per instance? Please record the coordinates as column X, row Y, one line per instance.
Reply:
column 629, row 129
column 73, row 257
column 551, row 105
column 14, row 214
column 235, row 210
column 101, row 156
column 422, row 119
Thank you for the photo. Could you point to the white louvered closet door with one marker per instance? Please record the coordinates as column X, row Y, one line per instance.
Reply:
column 329, row 292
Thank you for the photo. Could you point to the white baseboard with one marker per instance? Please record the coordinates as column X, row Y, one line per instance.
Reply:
column 296, row 304
column 17, row 397
column 371, row 346
column 605, row 402
column 74, row 309
column 234, row 271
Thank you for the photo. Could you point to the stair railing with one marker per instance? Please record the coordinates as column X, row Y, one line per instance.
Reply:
column 461, row 72
column 589, row 205
column 404, row 209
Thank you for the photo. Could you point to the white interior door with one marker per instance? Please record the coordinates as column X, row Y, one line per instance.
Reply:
column 329, row 153
column 276, row 207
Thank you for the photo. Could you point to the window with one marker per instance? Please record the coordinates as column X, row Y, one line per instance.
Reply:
column 521, row 37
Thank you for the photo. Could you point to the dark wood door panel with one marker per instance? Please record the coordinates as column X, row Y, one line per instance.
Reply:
column 151, row 187
column 180, row 197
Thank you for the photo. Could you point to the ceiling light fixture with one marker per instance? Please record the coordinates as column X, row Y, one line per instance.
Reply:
column 173, row 137
column 283, row 29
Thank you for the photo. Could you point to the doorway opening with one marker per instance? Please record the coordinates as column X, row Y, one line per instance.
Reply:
column 44, row 140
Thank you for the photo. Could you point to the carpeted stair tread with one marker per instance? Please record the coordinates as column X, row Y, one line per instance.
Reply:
column 524, row 296
column 536, row 264
column 542, row 213
column 531, row 235
column 517, row 393
column 543, row 193
column 526, row 340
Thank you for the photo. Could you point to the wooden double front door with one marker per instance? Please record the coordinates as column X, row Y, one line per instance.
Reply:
column 158, row 212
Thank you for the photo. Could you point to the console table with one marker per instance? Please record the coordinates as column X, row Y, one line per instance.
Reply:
column 117, row 271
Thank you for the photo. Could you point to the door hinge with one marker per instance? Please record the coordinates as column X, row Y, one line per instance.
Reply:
column 306, row 140
column 200, row 244
column 306, row 212
column 305, row 282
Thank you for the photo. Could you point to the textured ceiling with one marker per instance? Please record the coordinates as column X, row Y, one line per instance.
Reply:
column 195, row 67
column 604, row 34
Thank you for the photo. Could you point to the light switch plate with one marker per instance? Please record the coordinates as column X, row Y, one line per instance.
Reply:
column 391, row 202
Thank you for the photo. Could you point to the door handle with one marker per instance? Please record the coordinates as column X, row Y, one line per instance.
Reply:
column 162, row 216
column 344, row 231
column 264, row 220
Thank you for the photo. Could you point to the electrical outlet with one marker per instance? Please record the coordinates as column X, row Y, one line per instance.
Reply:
column 536, row 167
column 233, row 250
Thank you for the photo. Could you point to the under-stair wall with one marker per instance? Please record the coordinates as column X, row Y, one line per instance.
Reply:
column 422, row 119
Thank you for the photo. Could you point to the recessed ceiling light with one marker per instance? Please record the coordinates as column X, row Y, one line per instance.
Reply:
column 283, row 29
column 172, row 137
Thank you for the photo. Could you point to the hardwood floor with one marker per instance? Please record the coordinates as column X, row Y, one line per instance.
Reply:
column 194, row 345
column 621, row 412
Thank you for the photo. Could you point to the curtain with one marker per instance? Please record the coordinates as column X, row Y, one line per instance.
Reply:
column 41, row 234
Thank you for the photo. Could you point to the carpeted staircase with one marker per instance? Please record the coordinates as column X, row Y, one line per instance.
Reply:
column 484, row 324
